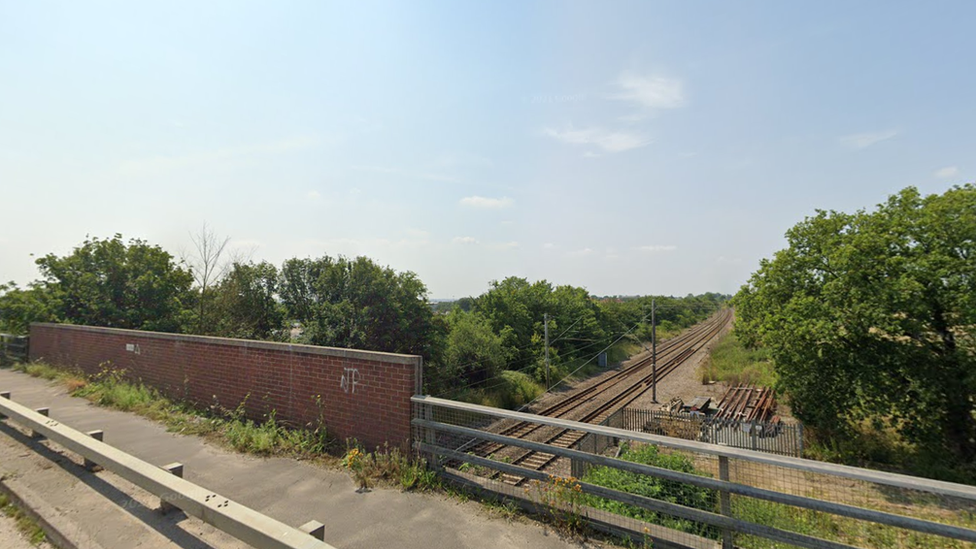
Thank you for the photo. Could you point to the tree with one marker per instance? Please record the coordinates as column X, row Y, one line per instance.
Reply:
column 245, row 304
column 114, row 284
column 207, row 269
column 516, row 309
column 871, row 316
column 355, row 303
column 472, row 353
column 19, row 307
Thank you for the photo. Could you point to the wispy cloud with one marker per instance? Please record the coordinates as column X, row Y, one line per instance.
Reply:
column 609, row 141
column 948, row 171
column 486, row 203
column 580, row 253
column 865, row 140
column 650, row 92
column 504, row 245
column 464, row 240
column 427, row 176
column 221, row 156
column 314, row 195
column 657, row 248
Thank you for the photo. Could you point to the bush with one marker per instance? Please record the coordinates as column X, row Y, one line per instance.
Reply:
column 655, row 488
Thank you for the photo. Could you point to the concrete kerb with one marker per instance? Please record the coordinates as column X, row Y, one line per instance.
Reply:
column 60, row 532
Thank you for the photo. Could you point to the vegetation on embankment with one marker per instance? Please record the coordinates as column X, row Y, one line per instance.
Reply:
column 870, row 320
column 233, row 430
column 731, row 362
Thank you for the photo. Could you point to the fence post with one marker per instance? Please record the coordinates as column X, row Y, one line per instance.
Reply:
column 428, row 413
column 725, row 500
column 799, row 433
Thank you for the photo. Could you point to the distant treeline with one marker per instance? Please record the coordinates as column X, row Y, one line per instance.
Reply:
column 340, row 302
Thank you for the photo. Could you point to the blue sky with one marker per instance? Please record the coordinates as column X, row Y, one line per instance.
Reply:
column 631, row 148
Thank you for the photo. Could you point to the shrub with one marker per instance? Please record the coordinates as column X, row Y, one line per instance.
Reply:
column 655, row 488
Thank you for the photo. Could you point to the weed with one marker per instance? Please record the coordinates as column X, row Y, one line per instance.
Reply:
column 563, row 498
column 27, row 526
column 111, row 388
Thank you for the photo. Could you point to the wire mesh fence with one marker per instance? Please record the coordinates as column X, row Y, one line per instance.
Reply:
column 785, row 439
column 13, row 348
column 685, row 493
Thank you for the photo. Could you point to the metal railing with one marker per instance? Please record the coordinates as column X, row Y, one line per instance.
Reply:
column 785, row 439
column 13, row 348
column 694, row 494
column 242, row 522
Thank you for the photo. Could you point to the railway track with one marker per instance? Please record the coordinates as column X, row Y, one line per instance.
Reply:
column 595, row 403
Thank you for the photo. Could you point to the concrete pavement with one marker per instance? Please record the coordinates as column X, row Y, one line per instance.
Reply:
column 292, row 491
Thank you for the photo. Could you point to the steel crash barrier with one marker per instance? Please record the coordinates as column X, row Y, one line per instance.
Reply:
column 240, row 521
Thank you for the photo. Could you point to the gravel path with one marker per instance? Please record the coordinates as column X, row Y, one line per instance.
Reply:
column 685, row 381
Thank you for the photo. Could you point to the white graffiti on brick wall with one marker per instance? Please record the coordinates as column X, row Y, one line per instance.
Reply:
column 350, row 378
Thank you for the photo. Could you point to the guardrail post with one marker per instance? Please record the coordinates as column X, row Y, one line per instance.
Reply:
column 174, row 469
column 314, row 528
column 98, row 435
column 6, row 395
column 725, row 500
column 46, row 412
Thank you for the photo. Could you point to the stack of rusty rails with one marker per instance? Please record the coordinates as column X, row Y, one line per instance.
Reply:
column 745, row 404
column 617, row 395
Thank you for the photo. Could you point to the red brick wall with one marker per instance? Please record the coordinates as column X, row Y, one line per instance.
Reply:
column 301, row 383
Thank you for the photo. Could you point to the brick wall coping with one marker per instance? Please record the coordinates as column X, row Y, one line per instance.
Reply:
column 377, row 356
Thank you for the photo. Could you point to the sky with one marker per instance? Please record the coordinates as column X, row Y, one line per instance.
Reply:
column 626, row 147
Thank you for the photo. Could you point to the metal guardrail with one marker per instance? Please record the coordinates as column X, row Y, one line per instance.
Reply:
column 242, row 522
column 433, row 434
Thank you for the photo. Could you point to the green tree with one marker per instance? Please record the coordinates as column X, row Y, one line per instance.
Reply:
column 355, row 303
column 111, row 283
column 472, row 353
column 245, row 304
column 516, row 310
column 19, row 307
column 871, row 316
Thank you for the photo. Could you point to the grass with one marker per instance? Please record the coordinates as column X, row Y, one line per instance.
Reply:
column 109, row 388
column 833, row 528
column 233, row 429
column 26, row 525
column 654, row 488
column 730, row 361
column 510, row 391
